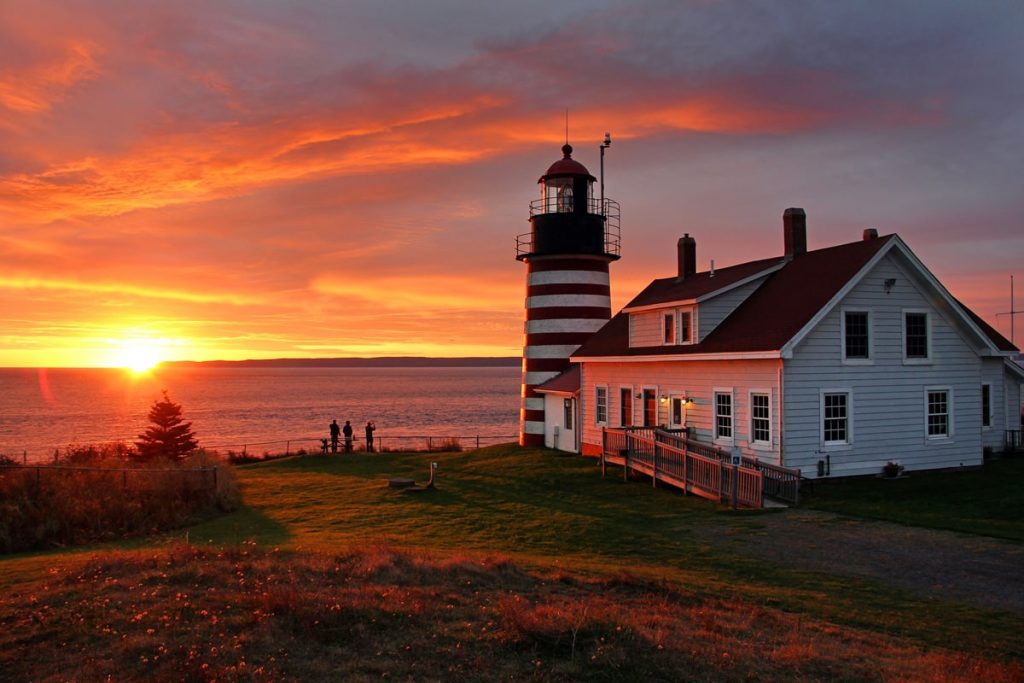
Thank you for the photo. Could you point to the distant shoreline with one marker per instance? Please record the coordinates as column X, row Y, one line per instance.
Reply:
column 379, row 362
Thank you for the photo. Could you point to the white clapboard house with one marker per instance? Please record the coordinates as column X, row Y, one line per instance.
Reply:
column 833, row 361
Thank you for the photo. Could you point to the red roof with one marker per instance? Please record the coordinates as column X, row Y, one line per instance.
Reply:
column 566, row 383
column 789, row 298
column 767, row 319
column 667, row 289
column 566, row 166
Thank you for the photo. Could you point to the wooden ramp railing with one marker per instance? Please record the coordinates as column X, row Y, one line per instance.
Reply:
column 674, row 458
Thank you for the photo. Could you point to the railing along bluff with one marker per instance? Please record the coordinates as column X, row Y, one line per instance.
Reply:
column 672, row 457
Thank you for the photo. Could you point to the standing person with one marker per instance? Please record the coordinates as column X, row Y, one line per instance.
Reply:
column 347, row 431
column 369, row 436
column 335, row 431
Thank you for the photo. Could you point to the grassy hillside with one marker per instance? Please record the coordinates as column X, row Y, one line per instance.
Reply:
column 555, row 556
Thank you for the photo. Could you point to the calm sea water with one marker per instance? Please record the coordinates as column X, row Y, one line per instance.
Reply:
column 41, row 410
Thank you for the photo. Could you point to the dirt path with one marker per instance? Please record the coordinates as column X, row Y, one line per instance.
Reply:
column 941, row 565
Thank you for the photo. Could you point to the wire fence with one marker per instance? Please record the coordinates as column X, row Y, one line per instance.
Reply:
column 313, row 445
column 191, row 479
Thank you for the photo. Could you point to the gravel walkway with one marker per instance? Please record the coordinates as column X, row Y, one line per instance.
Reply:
column 942, row 565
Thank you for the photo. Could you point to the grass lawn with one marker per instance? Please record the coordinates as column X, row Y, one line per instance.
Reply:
column 603, row 568
column 988, row 501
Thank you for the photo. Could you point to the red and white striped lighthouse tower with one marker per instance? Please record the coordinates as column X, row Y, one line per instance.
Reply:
column 573, row 238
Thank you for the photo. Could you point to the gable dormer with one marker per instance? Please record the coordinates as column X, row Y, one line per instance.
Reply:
column 684, row 310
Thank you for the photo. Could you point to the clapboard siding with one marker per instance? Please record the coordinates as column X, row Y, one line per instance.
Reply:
column 646, row 329
column 716, row 309
column 888, row 394
column 697, row 380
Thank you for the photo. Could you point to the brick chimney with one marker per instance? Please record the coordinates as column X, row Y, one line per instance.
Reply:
column 870, row 234
column 794, row 229
column 687, row 248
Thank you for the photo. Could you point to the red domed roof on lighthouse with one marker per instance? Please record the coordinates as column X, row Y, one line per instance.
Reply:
column 566, row 166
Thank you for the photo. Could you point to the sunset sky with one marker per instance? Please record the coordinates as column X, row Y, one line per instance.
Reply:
column 199, row 180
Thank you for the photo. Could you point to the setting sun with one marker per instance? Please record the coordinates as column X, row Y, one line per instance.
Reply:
column 138, row 354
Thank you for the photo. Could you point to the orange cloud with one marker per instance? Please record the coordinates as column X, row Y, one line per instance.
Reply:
column 38, row 87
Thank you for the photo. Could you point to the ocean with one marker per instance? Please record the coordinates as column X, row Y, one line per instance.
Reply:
column 260, row 409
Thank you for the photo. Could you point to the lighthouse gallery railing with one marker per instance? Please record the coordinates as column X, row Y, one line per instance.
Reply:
column 612, row 218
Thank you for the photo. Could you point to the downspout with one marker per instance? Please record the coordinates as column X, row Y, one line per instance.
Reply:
column 782, row 421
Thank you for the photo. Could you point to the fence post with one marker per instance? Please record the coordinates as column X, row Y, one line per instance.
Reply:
column 478, row 442
column 654, row 478
column 721, row 479
column 287, row 447
column 735, row 484
column 686, row 470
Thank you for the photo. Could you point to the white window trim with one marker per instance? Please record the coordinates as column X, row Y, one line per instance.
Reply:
column 632, row 405
column 991, row 412
column 948, row 436
column 597, row 403
column 870, row 360
column 674, row 327
column 832, row 446
column 928, row 331
column 760, row 445
column 723, row 440
column 693, row 326
column 677, row 396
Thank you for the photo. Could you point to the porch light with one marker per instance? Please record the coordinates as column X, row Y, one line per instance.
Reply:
column 664, row 398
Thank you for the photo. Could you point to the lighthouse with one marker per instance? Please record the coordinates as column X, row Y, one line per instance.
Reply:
column 573, row 237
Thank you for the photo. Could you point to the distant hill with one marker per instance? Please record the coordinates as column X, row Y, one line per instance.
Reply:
column 382, row 362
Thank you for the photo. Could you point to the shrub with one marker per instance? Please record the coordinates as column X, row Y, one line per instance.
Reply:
column 47, row 505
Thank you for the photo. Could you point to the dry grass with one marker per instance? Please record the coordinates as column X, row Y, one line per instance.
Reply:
column 96, row 495
column 204, row 613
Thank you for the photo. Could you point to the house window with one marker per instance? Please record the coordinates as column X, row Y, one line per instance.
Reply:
column 567, row 414
column 855, row 335
column 670, row 328
column 626, row 406
column 915, row 335
column 723, row 415
column 601, row 405
column 938, row 413
column 685, row 327
column 760, row 419
column 835, row 423
column 986, row 405
column 676, row 408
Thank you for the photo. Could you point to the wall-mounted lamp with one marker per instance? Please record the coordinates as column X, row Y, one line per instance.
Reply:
column 639, row 394
column 889, row 284
column 664, row 398
column 687, row 401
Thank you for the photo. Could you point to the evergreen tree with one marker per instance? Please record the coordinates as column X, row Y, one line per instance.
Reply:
column 169, row 436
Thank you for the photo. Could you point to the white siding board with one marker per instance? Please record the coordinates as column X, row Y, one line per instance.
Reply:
column 696, row 380
column 888, row 394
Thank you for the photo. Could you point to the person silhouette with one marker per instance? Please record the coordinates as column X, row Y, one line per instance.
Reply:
column 335, row 431
column 369, row 436
column 347, row 431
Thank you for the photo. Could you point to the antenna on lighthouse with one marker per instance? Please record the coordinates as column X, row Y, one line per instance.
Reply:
column 604, row 145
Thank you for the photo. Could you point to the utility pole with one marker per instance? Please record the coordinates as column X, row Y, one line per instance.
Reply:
column 1012, row 313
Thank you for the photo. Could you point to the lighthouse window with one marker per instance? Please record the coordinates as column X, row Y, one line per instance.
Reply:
column 558, row 195
column 565, row 199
